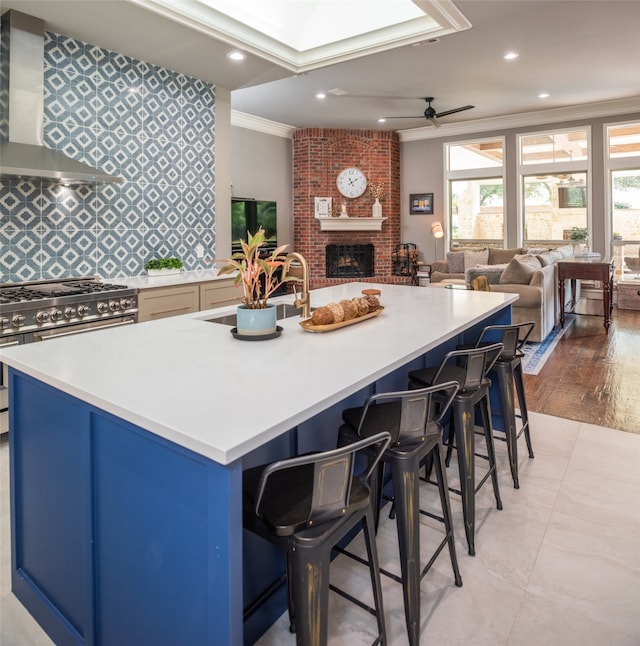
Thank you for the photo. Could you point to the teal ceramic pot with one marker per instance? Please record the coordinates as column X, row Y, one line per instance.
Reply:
column 256, row 322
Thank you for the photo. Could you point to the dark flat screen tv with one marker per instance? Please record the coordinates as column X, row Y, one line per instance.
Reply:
column 249, row 215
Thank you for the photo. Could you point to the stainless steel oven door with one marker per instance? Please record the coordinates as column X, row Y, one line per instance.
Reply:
column 82, row 328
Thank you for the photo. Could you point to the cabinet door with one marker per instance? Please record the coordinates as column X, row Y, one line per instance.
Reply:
column 167, row 301
column 217, row 293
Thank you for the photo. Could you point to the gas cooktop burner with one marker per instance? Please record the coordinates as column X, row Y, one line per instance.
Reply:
column 38, row 306
column 42, row 290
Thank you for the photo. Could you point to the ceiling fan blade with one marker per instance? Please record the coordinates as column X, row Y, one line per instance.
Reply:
column 448, row 112
column 348, row 95
column 434, row 122
column 413, row 116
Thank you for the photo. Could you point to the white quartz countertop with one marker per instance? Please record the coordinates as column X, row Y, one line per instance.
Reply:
column 180, row 278
column 190, row 381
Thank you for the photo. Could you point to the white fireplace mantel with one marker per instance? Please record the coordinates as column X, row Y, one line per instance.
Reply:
column 351, row 224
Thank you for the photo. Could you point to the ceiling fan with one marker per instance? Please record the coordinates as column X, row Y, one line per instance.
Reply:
column 431, row 115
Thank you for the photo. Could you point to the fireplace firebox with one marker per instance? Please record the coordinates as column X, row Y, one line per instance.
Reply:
column 349, row 260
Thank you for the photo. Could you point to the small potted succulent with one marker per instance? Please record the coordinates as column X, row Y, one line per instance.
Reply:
column 260, row 276
column 163, row 266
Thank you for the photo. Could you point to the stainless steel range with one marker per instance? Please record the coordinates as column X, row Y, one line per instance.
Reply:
column 41, row 310
column 46, row 309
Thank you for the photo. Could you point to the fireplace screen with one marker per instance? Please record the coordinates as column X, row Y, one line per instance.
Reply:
column 349, row 260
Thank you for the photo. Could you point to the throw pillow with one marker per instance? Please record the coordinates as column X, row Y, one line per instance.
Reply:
column 556, row 255
column 501, row 256
column 455, row 260
column 491, row 272
column 520, row 270
column 566, row 250
column 536, row 251
column 546, row 258
column 473, row 258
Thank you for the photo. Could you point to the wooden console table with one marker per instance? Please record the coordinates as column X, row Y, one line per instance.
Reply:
column 587, row 268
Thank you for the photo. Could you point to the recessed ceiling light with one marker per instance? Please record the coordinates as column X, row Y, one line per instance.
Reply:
column 321, row 95
column 543, row 95
column 381, row 120
column 510, row 56
column 236, row 56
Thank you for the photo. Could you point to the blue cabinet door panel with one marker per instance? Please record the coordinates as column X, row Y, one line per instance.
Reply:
column 50, row 558
column 120, row 537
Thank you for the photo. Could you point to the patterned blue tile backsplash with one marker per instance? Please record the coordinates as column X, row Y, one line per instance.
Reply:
column 151, row 126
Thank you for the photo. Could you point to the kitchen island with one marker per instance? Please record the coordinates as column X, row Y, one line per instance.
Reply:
column 128, row 446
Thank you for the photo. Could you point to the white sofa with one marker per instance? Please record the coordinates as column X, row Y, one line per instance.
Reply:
column 538, row 298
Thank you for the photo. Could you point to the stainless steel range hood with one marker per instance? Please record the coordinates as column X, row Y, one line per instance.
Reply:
column 22, row 151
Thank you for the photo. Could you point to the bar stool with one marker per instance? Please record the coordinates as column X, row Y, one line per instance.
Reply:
column 416, row 434
column 508, row 372
column 305, row 505
column 469, row 369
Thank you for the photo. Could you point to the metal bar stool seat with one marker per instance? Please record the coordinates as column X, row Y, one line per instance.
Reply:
column 469, row 369
column 416, row 435
column 305, row 505
column 508, row 373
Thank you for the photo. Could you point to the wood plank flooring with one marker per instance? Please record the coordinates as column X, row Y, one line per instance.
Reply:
column 592, row 376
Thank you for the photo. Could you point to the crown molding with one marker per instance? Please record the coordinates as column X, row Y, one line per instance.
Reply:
column 553, row 115
column 251, row 122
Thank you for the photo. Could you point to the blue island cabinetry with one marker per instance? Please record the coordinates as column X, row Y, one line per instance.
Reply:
column 126, row 491
column 120, row 537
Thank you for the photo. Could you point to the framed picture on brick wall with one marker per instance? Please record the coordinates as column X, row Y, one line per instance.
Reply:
column 420, row 203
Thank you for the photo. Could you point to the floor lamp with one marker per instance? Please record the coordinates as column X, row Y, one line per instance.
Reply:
column 437, row 232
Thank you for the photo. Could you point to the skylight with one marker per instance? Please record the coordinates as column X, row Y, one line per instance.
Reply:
column 307, row 24
column 302, row 35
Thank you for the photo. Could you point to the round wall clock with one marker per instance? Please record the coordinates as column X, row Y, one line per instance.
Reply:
column 351, row 182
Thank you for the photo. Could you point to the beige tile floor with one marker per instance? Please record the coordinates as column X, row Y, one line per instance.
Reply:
column 560, row 564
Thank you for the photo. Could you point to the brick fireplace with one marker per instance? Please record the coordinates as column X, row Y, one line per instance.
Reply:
column 319, row 154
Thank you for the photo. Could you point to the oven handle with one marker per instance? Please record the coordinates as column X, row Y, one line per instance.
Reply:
column 9, row 344
column 47, row 337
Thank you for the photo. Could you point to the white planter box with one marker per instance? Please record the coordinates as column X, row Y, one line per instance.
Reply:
column 162, row 272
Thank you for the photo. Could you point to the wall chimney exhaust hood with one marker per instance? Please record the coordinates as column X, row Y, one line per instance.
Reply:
column 22, row 151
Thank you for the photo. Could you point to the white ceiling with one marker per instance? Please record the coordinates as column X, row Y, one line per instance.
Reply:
column 579, row 51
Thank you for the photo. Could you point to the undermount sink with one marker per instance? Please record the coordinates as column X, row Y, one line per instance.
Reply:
column 283, row 311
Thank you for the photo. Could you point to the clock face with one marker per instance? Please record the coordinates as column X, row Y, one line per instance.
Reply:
column 351, row 182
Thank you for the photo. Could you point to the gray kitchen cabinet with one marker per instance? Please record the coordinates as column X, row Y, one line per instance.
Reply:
column 161, row 302
column 217, row 293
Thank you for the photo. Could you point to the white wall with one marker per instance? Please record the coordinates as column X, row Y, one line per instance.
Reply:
column 262, row 168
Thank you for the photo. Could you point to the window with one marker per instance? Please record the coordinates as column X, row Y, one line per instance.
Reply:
column 475, row 175
column 554, row 193
column 623, row 161
column 554, row 147
column 553, row 204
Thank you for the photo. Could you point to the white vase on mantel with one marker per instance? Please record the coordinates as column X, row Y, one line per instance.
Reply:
column 376, row 209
